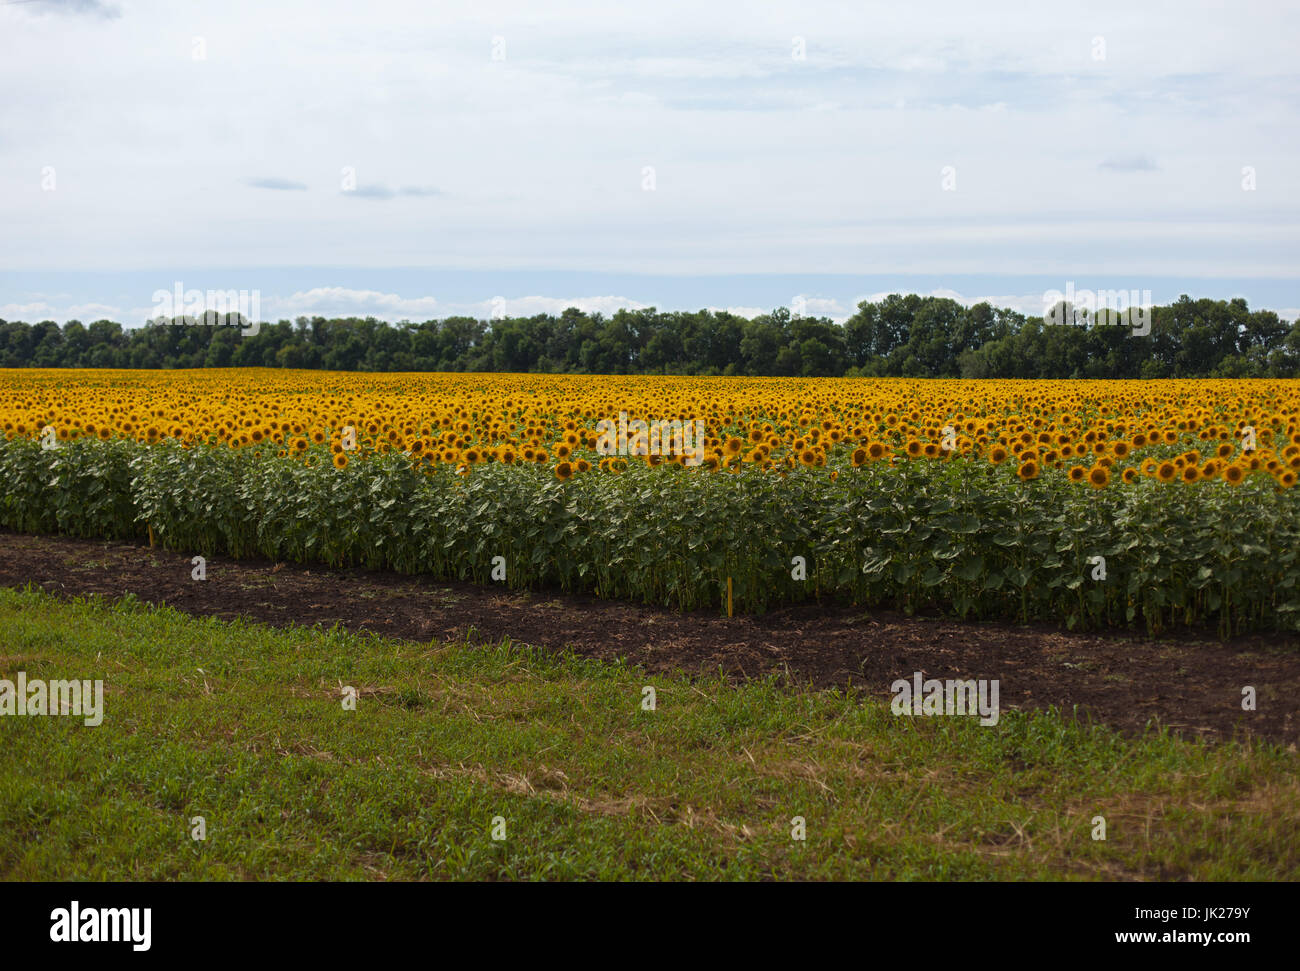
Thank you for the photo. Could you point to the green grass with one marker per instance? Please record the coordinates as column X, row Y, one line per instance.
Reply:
column 243, row 725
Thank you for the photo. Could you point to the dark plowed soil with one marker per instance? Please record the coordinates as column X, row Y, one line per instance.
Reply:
column 1192, row 685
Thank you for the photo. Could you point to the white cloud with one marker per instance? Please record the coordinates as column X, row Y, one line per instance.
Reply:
column 30, row 312
column 749, row 313
column 344, row 302
column 341, row 301
column 1025, row 303
column 393, row 307
column 764, row 163
column 529, row 306
column 86, row 312
column 825, row 307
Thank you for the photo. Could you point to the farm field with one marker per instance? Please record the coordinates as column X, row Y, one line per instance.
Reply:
column 505, row 442
column 449, row 745
column 499, row 566
column 1152, row 505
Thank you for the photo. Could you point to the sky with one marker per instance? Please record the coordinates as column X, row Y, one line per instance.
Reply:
column 413, row 160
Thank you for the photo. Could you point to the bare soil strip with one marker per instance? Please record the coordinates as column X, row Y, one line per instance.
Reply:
column 1191, row 684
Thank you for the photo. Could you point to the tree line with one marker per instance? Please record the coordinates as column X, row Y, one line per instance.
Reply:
column 898, row 336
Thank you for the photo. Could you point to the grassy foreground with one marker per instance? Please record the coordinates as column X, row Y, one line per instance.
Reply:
column 244, row 725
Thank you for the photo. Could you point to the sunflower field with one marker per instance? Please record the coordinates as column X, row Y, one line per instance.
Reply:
column 1094, row 503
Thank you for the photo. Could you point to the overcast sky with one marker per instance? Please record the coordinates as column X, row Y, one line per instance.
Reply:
column 355, row 157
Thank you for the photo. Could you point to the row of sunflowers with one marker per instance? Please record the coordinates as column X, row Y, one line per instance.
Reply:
column 979, row 499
